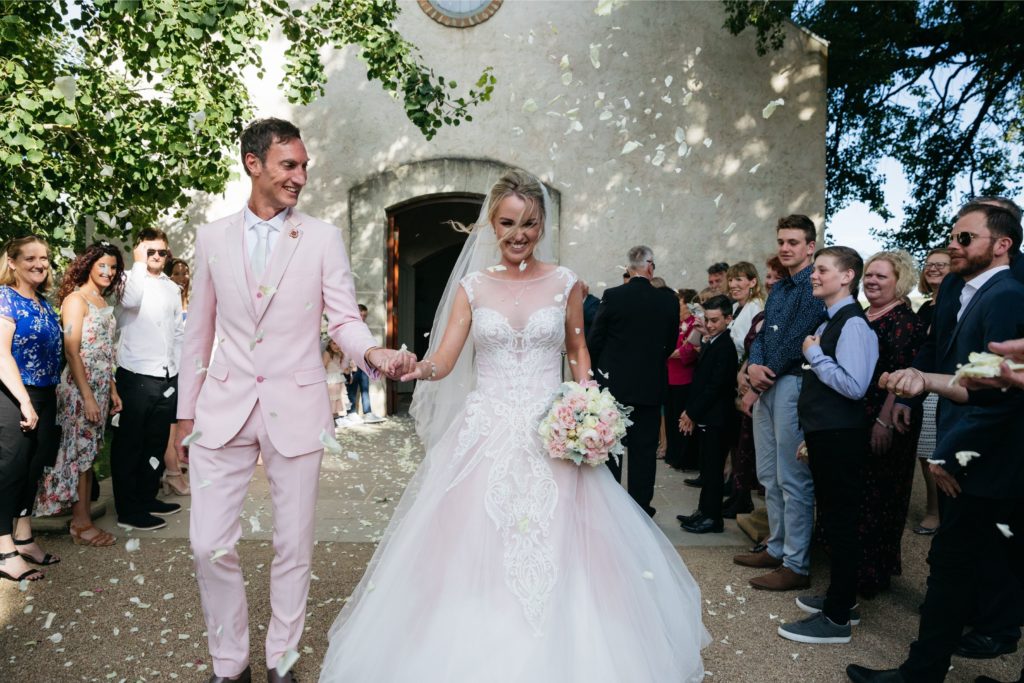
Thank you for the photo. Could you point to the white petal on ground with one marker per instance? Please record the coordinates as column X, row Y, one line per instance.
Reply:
column 630, row 146
column 964, row 457
column 718, row 199
column 131, row 545
column 56, row 638
column 770, row 108
column 683, row 150
column 567, row 78
column 595, row 55
column 686, row 98
column 287, row 661
column 352, row 455
column 254, row 521
column 168, row 596
column 188, row 440
column 680, row 134
column 605, row 115
column 49, row 620
column 86, row 594
column 753, row 169
column 604, row 7
column 1004, row 529
column 732, row 226
column 530, row 106
column 564, row 64
column 659, row 158
column 330, row 444
column 668, row 81
column 707, row 142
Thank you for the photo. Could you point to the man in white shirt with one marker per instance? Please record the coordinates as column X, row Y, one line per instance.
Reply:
column 148, row 355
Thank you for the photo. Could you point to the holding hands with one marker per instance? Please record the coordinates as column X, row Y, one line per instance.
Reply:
column 392, row 363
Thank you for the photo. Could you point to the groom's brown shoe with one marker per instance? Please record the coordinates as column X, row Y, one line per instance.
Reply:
column 274, row 677
column 782, row 579
column 244, row 677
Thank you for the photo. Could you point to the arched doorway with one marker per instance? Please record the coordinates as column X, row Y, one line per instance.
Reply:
column 423, row 247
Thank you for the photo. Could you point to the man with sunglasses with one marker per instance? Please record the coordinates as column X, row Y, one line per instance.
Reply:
column 151, row 330
column 980, row 303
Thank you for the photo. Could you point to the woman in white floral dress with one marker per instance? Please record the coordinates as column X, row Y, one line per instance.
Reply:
column 86, row 392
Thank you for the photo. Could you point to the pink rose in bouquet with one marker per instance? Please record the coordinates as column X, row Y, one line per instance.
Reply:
column 584, row 424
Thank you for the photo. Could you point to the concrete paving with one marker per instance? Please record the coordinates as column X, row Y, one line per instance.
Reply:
column 360, row 487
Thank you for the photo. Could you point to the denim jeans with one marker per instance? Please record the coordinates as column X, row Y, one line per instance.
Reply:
column 788, row 486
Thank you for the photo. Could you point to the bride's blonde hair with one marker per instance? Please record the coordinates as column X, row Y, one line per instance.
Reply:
column 513, row 183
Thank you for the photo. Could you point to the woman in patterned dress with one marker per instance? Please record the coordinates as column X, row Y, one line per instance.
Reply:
column 30, row 343
column 889, row 470
column 87, row 389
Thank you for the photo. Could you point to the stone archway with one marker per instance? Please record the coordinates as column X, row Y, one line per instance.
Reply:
column 372, row 200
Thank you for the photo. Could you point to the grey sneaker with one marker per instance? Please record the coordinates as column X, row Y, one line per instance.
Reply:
column 816, row 629
column 813, row 604
column 372, row 419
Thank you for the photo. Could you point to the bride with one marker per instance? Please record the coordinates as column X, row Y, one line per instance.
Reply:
column 502, row 565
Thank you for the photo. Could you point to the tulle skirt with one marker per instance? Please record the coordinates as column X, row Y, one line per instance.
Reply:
column 489, row 574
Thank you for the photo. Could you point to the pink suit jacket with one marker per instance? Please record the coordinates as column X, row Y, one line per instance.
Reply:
column 268, row 333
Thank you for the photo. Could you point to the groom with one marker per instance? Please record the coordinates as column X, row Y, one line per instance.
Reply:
column 263, row 279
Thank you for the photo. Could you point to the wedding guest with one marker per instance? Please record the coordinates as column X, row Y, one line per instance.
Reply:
column 658, row 282
column 706, row 294
column 744, row 466
column 175, row 478
column 936, row 267
column 983, row 304
column 359, row 388
column 748, row 301
column 334, row 363
column 148, row 354
column 681, row 452
column 590, row 305
column 841, row 355
column 634, row 333
column 717, row 278
column 710, row 413
column 889, row 276
column 87, row 393
column 791, row 313
column 30, row 347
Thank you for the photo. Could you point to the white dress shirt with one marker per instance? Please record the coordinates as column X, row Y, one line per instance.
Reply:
column 150, row 324
column 972, row 286
column 251, row 239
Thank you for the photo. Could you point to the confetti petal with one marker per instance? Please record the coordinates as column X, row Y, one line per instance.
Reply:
column 649, row 575
column 131, row 545
column 287, row 661
column 630, row 146
column 595, row 55
column 529, row 106
column 1004, row 529
column 217, row 554
column 770, row 108
column 964, row 457
column 753, row 169
column 330, row 444
column 191, row 438
column 169, row 392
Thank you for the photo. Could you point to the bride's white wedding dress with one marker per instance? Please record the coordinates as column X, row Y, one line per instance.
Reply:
column 503, row 565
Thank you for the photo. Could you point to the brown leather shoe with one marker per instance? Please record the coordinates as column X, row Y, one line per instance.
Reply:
column 244, row 677
column 274, row 677
column 782, row 579
column 761, row 560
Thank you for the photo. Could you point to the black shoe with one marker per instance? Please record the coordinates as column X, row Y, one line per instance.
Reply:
column 650, row 511
column 163, row 509
column 741, row 505
column 686, row 519
column 986, row 679
column 244, row 677
column 705, row 525
column 142, row 522
column 974, row 645
column 696, row 482
column 862, row 674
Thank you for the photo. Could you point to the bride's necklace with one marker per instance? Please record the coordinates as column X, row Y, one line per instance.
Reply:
column 885, row 309
column 517, row 294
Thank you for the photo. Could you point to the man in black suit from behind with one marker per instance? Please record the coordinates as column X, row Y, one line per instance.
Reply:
column 632, row 336
column 710, row 412
column 986, row 304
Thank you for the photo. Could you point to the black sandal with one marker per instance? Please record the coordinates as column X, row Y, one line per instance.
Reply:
column 25, row 576
column 47, row 560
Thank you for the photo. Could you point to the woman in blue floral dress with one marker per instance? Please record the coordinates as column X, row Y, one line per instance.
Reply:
column 86, row 393
column 30, row 348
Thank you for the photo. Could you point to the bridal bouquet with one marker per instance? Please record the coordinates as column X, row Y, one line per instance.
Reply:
column 585, row 424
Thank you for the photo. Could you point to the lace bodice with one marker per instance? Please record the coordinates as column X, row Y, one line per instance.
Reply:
column 518, row 330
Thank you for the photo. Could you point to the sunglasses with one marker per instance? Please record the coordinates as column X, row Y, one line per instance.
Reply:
column 161, row 252
column 964, row 238
column 652, row 263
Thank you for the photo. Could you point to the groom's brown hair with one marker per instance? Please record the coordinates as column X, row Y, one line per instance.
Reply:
column 259, row 135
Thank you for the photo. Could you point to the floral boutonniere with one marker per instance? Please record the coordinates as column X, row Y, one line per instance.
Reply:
column 294, row 233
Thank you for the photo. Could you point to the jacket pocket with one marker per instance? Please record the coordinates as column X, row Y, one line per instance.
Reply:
column 217, row 371
column 311, row 376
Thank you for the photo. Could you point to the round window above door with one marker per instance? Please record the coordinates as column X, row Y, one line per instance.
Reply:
column 460, row 13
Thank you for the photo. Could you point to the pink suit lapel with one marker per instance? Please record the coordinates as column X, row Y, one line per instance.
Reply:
column 235, row 247
column 285, row 247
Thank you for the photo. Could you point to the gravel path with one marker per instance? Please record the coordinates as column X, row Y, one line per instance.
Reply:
column 135, row 616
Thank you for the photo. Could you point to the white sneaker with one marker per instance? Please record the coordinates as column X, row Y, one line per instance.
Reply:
column 373, row 419
column 354, row 418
